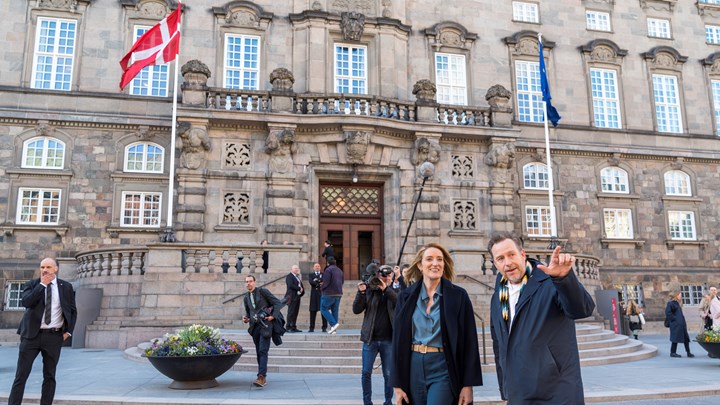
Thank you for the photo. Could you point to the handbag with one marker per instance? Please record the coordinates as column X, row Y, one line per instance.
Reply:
column 642, row 319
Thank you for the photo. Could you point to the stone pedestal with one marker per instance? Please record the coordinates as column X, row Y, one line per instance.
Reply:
column 190, row 208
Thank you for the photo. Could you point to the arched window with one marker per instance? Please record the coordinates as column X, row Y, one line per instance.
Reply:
column 614, row 180
column 144, row 157
column 43, row 152
column 677, row 183
column 535, row 176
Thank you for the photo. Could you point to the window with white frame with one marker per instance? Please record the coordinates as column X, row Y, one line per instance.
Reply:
column 597, row 20
column 13, row 301
column 710, row 1
column 658, row 28
column 667, row 103
column 529, row 94
column 682, row 225
column 43, row 153
column 677, row 182
column 715, row 89
column 152, row 80
column 141, row 209
column 631, row 292
column 450, row 78
column 525, row 12
column 535, row 176
column 691, row 294
column 54, row 54
column 712, row 34
column 618, row 223
column 144, row 157
column 241, row 62
column 38, row 206
column 606, row 101
column 538, row 221
column 350, row 69
column 614, row 180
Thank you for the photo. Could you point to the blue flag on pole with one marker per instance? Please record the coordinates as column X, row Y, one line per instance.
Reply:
column 552, row 113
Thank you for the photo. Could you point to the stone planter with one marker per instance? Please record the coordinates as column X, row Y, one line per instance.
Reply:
column 712, row 348
column 194, row 372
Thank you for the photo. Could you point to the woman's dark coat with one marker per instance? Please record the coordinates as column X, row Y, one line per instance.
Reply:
column 678, row 326
column 459, row 336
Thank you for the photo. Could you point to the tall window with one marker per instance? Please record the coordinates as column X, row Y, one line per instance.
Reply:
column 451, row 79
column 350, row 69
column 712, row 34
column 682, row 225
column 144, row 157
column 715, row 88
column 152, row 80
column 710, row 1
column 658, row 28
column 43, row 152
column 242, row 62
column 667, row 103
column 54, row 54
column 618, row 223
column 597, row 20
column 141, row 209
column 614, row 180
column 677, row 183
column 13, row 300
column 525, row 12
column 535, row 176
column 38, row 206
column 691, row 294
column 538, row 221
column 527, row 76
column 606, row 102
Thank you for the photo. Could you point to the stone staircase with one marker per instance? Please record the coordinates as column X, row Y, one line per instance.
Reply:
column 9, row 337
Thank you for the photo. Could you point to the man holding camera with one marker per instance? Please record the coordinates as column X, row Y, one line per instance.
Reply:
column 378, row 302
column 261, row 308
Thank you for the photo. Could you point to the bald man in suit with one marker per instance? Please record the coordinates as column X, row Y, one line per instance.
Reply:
column 49, row 320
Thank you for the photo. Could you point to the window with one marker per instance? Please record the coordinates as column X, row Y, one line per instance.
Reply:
column 152, row 80
column 44, row 153
column 54, row 54
column 450, row 78
column 691, row 294
column 12, row 295
column 141, row 209
column 606, row 102
column 632, row 292
column 597, row 21
column 682, row 225
column 535, row 176
column 242, row 62
column 677, row 183
column 618, row 223
column 710, row 1
column 350, row 69
column 667, row 103
column 525, row 12
column 715, row 84
column 538, row 221
column 658, row 28
column 527, row 76
column 614, row 180
column 712, row 34
column 38, row 206
column 144, row 157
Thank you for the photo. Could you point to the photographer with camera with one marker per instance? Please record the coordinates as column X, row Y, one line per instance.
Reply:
column 378, row 302
column 261, row 308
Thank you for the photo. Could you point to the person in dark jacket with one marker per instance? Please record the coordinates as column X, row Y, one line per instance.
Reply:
column 315, row 279
column 293, row 293
column 328, row 252
column 678, row 326
column 332, row 285
column 435, row 344
column 532, row 321
column 260, row 302
column 376, row 332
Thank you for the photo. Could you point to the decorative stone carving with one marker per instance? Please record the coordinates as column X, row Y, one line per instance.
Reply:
column 659, row 5
column 366, row 7
column 387, row 8
column 527, row 47
column 282, row 79
column 317, row 6
column 501, row 156
column 665, row 57
column 236, row 208
column 464, row 215
column 450, row 34
column 143, row 133
column 242, row 19
column 614, row 159
column 425, row 90
column 678, row 163
column 463, row 167
column 280, row 145
column 195, row 74
column 243, row 13
column 43, row 128
column 194, row 143
column 356, row 146
column 236, row 155
column 352, row 25
column 59, row 4
column 427, row 150
column 498, row 96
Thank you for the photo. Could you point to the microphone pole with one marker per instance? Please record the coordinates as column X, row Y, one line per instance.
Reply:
column 427, row 169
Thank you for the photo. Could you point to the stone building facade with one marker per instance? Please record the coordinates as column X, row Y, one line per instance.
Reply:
column 305, row 121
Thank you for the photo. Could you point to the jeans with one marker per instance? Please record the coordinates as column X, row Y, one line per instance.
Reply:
column 262, row 347
column 369, row 354
column 429, row 379
column 327, row 304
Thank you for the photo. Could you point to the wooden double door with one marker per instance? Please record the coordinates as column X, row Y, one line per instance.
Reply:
column 355, row 241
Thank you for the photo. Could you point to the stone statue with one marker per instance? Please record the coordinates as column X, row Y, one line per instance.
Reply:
column 280, row 145
column 427, row 150
column 501, row 156
column 194, row 143
column 282, row 79
column 352, row 25
column 356, row 146
column 425, row 90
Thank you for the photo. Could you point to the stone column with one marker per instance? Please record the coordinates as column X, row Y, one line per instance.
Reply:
column 498, row 97
column 191, row 178
column 501, row 157
column 426, row 103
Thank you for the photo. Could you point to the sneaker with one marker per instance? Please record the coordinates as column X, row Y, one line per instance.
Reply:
column 260, row 382
column 675, row 355
column 690, row 355
column 334, row 328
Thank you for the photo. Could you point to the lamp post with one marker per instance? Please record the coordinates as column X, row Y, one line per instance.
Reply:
column 426, row 170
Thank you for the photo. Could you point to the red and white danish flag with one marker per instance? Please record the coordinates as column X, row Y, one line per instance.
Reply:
column 159, row 45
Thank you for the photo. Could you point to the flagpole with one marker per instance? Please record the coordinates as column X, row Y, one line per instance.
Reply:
column 169, row 233
column 551, row 200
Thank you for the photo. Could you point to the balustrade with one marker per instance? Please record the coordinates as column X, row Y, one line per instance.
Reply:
column 110, row 262
column 222, row 260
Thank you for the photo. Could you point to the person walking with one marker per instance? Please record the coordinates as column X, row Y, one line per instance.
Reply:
column 332, row 285
column 261, row 308
column 315, row 279
column 705, row 312
column 634, row 311
column 678, row 326
column 328, row 252
column 293, row 293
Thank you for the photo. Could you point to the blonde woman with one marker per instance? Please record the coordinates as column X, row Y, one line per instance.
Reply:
column 678, row 326
column 633, row 312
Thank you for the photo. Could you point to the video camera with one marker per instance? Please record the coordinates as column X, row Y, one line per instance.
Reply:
column 373, row 272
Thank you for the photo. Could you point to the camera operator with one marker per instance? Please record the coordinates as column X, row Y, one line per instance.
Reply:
column 378, row 302
column 315, row 279
column 261, row 308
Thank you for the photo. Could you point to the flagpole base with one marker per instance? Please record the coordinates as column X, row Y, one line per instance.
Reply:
column 168, row 235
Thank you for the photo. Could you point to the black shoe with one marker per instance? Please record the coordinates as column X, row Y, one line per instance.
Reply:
column 675, row 355
column 690, row 355
column 291, row 331
column 311, row 330
column 325, row 330
column 296, row 330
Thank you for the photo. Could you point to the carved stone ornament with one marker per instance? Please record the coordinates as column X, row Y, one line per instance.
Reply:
column 242, row 18
column 425, row 90
column 498, row 96
column 282, row 79
column 317, row 6
column 427, row 150
column 366, row 7
column 715, row 68
column 195, row 74
column 352, row 25
column 678, row 163
column 527, row 46
column 194, row 143
column 602, row 54
column 387, row 8
column 451, row 38
column 356, row 146
column 44, row 129
column 143, row 133
column 659, row 5
column 59, row 4
column 501, row 156
column 152, row 10
column 280, row 145
column 615, row 159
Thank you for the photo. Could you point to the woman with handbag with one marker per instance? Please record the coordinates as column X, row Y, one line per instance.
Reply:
column 678, row 327
column 634, row 312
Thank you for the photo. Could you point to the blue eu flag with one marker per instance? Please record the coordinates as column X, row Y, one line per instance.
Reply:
column 552, row 113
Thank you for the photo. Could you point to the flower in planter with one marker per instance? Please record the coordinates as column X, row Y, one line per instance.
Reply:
column 709, row 336
column 195, row 340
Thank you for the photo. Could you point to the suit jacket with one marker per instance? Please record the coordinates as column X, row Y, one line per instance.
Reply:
column 537, row 360
column 293, row 287
column 263, row 299
column 315, row 291
column 33, row 299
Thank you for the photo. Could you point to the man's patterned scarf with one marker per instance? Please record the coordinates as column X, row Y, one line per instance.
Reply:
column 505, row 292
